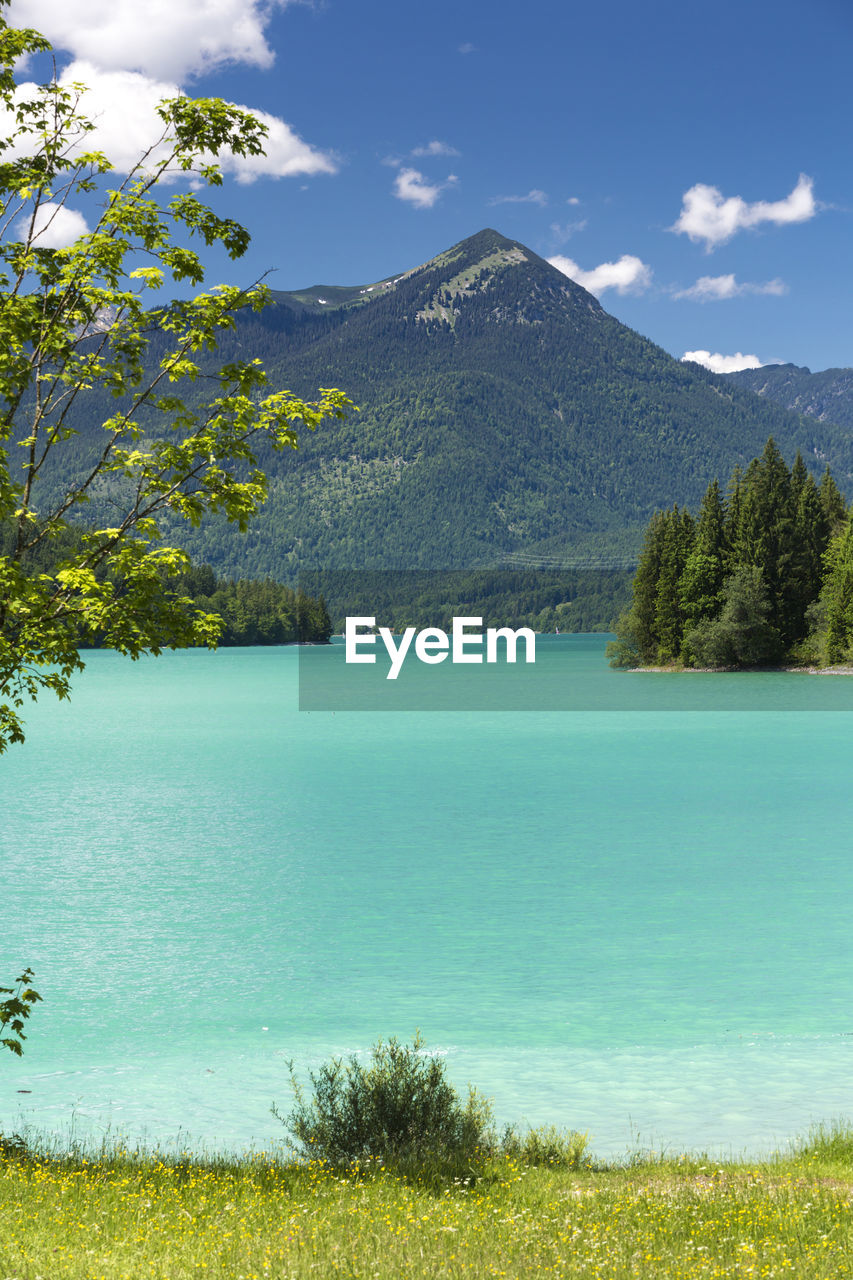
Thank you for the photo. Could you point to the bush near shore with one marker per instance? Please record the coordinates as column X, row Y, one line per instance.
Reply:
column 122, row 1215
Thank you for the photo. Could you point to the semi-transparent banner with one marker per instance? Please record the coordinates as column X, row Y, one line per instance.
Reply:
column 504, row 640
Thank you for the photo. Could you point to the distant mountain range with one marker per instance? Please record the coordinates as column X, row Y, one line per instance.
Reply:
column 505, row 418
column 827, row 396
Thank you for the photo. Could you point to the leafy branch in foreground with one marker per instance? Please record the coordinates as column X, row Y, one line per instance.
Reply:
column 77, row 330
column 15, row 1010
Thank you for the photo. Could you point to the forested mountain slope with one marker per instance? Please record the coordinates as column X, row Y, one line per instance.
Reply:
column 505, row 418
column 827, row 396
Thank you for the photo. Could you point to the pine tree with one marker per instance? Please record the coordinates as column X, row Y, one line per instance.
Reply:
column 640, row 622
column 799, row 476
column 733, row 508
column 806, row 567
column 766, row 537
column 704, row 572
column 676, row 546
column 743, row 635
column 752, row 579
column 833, row 503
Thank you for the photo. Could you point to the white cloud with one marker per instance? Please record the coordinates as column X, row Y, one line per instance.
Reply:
column 718, row 288
column 286, row 154
column 55, row 226
column 412, row 186
column 534, row 196
column 723, row 364
column 565, row 230
column 467, row 48
column 132, row 53
column 707, row 215
column 162, row 38
column 123, row 107
column 435, row 148
column 573, row 200
column 628, row 275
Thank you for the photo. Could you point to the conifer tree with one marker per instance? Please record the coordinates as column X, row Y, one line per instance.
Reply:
column 832, row 502
column 799, row 476
column 677, row 543
column 733, row 505
column 811, row 529
column 767, row 535
column 701, row 582
column 638, row 625
column 743, row 635
column 746, row 582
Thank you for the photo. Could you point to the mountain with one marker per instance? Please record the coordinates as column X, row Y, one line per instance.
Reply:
column 505, row 418
column 827, row 396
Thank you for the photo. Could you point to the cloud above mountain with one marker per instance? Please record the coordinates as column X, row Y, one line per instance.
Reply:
column 534, row 196
column 718, row 363
column 628, row 275
column 719, row 288
column 707, row 216
column 411, row 186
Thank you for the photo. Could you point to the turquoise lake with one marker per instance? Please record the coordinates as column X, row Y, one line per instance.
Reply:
column 634, row 922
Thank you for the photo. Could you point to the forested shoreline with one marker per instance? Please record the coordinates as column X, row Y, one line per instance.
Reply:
column 253, row 611
column 258, row 611
column 762, row 576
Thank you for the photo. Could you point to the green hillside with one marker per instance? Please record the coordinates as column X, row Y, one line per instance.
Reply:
column 506, row 418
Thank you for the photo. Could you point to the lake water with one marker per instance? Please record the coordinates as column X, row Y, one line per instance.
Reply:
column 631, row 922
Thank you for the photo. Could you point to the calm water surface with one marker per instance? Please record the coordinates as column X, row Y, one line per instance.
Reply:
column 630, row 922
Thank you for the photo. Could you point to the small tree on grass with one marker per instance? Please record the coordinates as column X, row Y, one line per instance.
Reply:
column 398, row 1110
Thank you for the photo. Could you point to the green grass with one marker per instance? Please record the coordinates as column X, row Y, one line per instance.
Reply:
column 126, row 1214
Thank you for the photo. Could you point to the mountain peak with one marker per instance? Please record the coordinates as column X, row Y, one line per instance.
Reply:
column 478, row 265
column 508, row 281
column 486, row 241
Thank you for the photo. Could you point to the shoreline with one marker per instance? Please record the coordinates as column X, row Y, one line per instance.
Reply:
column 837, row 670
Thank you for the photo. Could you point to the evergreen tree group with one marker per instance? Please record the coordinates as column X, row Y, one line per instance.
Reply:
column 763, row 573
column 258, row 612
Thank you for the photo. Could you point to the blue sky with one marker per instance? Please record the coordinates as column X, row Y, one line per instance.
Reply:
column 690, row 163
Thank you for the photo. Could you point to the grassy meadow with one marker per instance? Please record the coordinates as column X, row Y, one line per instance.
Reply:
column 123, row 1215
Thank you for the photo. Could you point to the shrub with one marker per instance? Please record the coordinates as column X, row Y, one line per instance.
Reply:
column 547, row 1145
column 399, row 1109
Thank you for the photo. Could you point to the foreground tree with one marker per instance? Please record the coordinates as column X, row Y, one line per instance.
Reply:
column 15, row 1010
column 78, row 334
